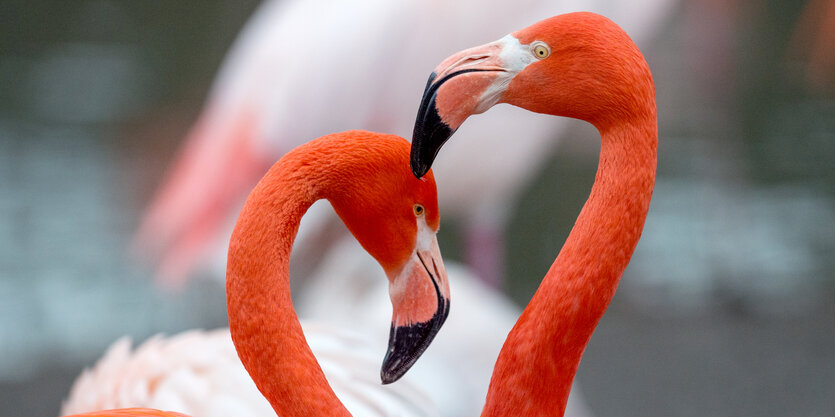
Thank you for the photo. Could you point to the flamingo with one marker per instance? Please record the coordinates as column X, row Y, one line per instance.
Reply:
column 245, row 124
column 594, row 73
column 279, row 86
column 584, row 66
column 392, row 214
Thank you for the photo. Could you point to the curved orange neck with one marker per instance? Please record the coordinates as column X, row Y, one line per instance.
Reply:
column 536, row 366
column 263, row 323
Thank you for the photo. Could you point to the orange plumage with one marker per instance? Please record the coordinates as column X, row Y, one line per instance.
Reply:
column 366, row 178
column 587, row 68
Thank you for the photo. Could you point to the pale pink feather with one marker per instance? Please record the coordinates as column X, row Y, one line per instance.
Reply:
column 199, row 374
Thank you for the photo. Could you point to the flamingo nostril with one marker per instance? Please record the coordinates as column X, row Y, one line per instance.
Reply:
column 472, row 60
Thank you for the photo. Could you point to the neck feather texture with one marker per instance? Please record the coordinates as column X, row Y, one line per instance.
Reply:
column 536, row 366
column 264, row 325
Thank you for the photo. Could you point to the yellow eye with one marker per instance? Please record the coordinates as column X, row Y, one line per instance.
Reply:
column 418, row 209
column 540, row 50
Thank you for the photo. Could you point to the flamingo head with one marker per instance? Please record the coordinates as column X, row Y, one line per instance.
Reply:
column 394, row 216
column 579, row 65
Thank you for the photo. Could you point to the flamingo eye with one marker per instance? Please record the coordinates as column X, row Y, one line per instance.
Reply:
column 418, row 209
column 540, row 50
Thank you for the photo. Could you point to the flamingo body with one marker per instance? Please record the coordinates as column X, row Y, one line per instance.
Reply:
column 199, row 374
column 131, row 412
column 392, row 214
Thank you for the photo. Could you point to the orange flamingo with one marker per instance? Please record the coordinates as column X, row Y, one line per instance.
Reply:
column 391, row 213
column 579, row 65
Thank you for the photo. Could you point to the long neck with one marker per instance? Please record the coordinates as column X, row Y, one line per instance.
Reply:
column 264, row 325
column 536, row 366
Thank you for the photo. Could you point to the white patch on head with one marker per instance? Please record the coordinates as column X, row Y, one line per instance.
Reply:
column 425, row 234
column 514, row 57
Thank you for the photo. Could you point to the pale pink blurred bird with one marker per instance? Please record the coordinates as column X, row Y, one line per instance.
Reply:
column 301, row 69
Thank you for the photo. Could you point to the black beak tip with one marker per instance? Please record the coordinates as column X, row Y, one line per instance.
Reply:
column 419, row 168
column 430, row 132
column 407, row 344
column 391, row 372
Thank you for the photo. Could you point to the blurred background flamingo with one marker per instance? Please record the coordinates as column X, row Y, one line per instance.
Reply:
column 301, row 69
column 731, row 284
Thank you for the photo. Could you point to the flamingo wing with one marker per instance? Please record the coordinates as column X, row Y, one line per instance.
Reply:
column 199, row 373
column 131, row 412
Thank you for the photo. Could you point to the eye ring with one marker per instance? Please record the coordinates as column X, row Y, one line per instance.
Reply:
column 418, row 210
column 540, row 50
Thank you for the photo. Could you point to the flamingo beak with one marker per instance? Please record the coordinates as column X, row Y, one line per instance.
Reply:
column 420, row 298
column 466, row 83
